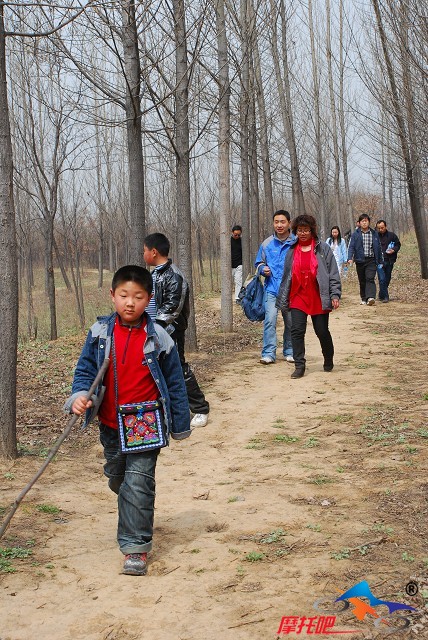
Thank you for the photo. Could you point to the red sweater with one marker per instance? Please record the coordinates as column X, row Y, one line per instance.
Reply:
column 135, row 382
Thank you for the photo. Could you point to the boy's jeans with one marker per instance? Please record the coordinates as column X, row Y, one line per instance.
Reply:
column 132, row 477
column 269, row 329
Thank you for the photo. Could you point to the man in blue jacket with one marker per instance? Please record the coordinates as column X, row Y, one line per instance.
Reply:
column 270, row 264
column 365, row 250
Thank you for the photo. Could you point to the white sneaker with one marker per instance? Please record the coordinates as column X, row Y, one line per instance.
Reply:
column 267, row 360
column 199, row 420
column 371, row 302
column 363, row 302
column 289, row 358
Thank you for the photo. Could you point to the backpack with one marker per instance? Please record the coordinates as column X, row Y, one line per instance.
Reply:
column 252, row 299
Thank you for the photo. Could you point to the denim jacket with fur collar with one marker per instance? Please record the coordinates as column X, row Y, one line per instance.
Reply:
column 164, row 364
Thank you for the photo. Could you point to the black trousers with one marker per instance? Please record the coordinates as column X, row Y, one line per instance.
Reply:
column 299, row 321
column 197, row 401
column 366, row 272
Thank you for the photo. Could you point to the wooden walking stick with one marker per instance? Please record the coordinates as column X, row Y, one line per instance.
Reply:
column 53, row 451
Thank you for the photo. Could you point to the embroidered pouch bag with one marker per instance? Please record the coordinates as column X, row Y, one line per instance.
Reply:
column 141, row 426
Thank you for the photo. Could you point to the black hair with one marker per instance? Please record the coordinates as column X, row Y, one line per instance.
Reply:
column 305, row 220
column 133, row 273
column 379, row 222
column 282, row 212
column 363, row 216
column 237, row 227
column 339, row 237
column 159, row 242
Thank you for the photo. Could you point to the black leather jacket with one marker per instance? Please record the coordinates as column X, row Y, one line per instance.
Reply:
column 172, row 297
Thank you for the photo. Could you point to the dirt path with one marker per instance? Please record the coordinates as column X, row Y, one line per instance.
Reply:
column 295, row 489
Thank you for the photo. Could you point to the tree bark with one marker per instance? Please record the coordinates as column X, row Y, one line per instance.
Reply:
column 224, row 169
column 334, row 133
column 284, row 92
column 416, row 205
column 264, row 144
column 8, row 271
column 344, row 150
column 184, row 215
column 318, row 134
column 132, row 67
column 247, row 258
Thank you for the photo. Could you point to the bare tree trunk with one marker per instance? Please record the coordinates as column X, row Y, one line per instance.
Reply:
column 416, row 205
column 224, row 170
column 100, row 206
column 284, row 91
column 184, row 234
column 133, row 129
column 264, row 145
column 247, row 258
column 318, row 136
column 50, row 276
column 348, row 202
column 8, row 271
column 61, row 265
column 336, row 181
column 254, row 174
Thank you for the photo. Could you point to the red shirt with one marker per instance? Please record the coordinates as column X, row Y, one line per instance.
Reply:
column 134, row 380
column 307, row 296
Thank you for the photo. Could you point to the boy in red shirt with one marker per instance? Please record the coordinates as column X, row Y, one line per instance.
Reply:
column 144, row 368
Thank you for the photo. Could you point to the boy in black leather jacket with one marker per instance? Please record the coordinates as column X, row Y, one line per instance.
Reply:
column 170, row 308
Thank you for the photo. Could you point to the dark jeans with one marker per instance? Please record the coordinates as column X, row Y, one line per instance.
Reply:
column 298, row 330
column 132, row 477
column 196, row 398
column 384, row 280
column 366, row 272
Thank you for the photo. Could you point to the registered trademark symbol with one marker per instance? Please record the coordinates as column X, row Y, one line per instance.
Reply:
column 412, row 588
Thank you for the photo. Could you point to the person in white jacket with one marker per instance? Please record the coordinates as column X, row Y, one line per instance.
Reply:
column 338, row 246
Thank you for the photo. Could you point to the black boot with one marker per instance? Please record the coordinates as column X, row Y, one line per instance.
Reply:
column 328, row 365
column 298, row 372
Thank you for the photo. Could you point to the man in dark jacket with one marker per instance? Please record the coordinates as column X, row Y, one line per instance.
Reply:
column 170, row 308
column 365, row 250
column 390, row 245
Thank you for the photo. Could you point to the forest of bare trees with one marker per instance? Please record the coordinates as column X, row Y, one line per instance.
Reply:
column 122, row 118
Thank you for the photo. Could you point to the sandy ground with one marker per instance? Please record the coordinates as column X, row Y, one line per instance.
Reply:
column 296, row 489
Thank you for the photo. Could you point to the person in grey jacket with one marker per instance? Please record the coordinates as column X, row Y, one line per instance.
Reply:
column 311, row 286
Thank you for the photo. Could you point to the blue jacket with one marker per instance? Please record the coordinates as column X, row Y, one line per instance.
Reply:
column 356, row 250
column 272, row 253
column 162, row 358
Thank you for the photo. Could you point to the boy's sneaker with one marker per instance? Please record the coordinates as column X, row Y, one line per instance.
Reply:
column 135, row 564
column 363, row 302
column 371, row 302
column 288, row 358
column 267, row 360
column 199, row 420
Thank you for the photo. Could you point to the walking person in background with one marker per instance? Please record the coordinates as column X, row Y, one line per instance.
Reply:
column 170, row 307
column 236, row 257
column 390, row 247
column 338, row 246
column 270, row 264
column 365, row 250
column 310, row 286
